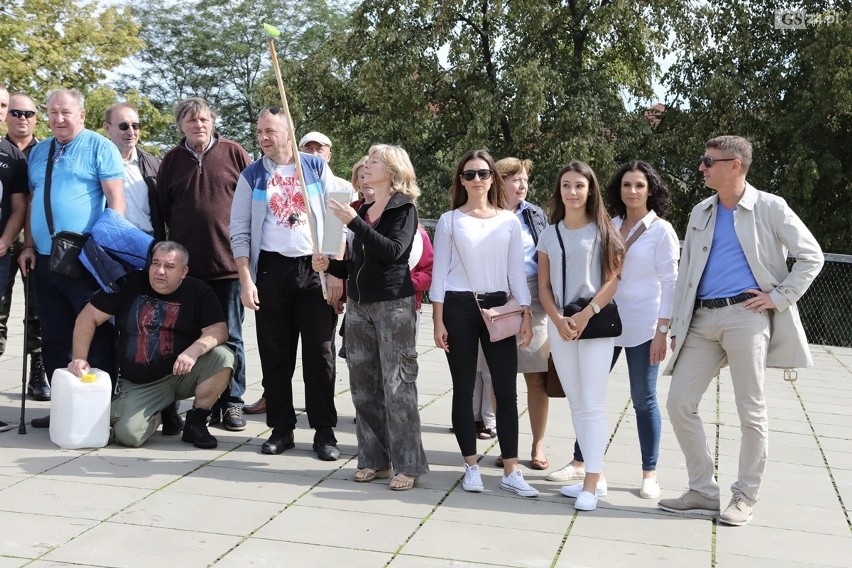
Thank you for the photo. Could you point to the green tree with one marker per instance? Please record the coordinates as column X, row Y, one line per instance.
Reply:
column 56, row 43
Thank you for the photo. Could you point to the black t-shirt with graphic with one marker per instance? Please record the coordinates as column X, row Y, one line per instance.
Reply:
column 154, row 329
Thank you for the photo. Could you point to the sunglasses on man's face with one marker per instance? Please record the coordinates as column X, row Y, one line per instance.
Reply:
column 708, row 161
column 126, row 125
column 468, row 175
column 18, row 113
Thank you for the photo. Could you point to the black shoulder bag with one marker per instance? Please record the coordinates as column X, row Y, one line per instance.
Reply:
column 607, row 323
column 65, row 246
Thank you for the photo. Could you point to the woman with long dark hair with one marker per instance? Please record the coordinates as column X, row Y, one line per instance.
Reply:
column 479, row 261
column 579, row 257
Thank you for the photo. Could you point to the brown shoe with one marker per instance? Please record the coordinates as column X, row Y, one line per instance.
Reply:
column 258, row 407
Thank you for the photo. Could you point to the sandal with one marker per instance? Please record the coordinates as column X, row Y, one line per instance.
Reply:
column 364, row 474
column 486, row 433
column 402, row 482
column 499, row 461
column 539, row 463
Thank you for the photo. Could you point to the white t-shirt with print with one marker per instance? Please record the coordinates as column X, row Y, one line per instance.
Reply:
column 285, row 227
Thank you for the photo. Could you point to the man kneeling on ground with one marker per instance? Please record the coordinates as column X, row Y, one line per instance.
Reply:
column 171, row 330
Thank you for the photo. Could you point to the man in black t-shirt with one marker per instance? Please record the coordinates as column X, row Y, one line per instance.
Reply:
column 171, row 334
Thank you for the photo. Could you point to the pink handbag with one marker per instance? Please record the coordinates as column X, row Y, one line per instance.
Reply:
column 503, row 321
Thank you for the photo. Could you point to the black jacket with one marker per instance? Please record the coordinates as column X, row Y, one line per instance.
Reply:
column 535, row 220
column 378, row 270
column 149, row 166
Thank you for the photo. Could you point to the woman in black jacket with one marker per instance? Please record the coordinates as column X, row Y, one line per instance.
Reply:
column 380, row 320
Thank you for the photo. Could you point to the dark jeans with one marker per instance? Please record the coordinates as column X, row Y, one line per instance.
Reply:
column 291, row 305
column 60, row 299
column 466, row 331
column 643, row 393
column 228, row 292
column 34, row 332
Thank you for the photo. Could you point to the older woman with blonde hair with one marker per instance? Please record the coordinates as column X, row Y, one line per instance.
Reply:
column 380, row 323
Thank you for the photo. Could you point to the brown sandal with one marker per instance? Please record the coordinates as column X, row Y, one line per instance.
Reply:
column 365, row 474
column 539, row 463
column 403, row 482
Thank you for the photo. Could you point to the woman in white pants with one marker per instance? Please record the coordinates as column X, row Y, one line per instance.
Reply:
column 580, row 256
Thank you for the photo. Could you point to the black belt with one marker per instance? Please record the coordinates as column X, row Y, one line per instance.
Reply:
column 486, row 299
column 714, row 303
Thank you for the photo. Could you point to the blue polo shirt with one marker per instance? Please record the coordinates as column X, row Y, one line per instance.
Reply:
column 76, row 197
column 727, row 272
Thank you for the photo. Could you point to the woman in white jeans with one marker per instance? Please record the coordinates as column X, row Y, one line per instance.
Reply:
column 580, row 256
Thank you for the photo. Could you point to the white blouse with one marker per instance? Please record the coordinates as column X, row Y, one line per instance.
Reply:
column 492, row 251
column 646, row 290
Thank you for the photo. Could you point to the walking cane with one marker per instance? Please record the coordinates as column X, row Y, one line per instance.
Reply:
column 22, row 427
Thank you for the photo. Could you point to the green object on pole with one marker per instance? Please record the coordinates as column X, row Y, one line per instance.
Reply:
column 271, row 31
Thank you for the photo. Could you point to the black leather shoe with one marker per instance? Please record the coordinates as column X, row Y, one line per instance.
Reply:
column 232, row 419
column 37, row 386
column 172, row 422
column 43, row 422
column 325, row 445
column 279, row 441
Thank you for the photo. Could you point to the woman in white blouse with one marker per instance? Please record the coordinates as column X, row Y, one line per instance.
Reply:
column 479, row 255
column 580, row 256
column 639, row 198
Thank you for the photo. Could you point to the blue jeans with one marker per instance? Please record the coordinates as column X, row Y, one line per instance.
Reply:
column 60, row 299
column 643, row 392
column 227, row 290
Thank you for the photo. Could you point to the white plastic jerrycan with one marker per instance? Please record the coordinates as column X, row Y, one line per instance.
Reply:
column 80, row 409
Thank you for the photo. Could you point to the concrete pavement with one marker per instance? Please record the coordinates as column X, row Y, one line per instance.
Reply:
column 169, row 504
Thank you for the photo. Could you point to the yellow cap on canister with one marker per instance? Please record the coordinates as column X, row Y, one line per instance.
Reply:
column 89, row 378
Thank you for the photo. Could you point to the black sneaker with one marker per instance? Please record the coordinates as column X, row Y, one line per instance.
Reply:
column 232, row 419
column 325, row 445
column 172, row 422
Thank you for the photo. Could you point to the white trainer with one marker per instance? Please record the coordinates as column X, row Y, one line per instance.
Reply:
column 472, row 479
column 650, row 489
column 574, row 491
column 516, row 483
column 586, row 501
column 567, row 473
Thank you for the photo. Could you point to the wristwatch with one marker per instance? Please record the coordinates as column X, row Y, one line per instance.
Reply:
column 595, row 307
column 663, row 328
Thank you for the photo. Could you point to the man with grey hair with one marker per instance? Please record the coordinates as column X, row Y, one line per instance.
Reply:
column 170, row 347
column 735, row 304
column 20, row 131
column 195, row 187
column 81, row 172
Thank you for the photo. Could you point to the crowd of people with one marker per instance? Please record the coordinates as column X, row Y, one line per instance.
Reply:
column 599, row 272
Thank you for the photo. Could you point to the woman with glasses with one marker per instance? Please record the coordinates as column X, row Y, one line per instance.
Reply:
column 580, row 256
column 479, row 262
column 380, row 323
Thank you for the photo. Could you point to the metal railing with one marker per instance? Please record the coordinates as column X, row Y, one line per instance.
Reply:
column 826, row 308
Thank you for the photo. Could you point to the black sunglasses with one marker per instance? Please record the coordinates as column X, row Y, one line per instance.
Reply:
column 468, row 175
column 126, row 125
column 708, row 161
column 18, row 113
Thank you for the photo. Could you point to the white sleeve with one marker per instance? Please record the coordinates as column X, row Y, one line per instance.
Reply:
column 667, row 254
column 516, row 274
column 441, row 261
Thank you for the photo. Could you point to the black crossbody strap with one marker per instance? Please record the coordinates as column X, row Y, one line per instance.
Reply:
column 564, row 270
column 48, row 212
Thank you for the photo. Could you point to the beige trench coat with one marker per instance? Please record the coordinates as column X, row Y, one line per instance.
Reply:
column 767, row 229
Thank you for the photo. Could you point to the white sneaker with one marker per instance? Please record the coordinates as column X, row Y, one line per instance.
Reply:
column 650, row 489
column 586, row 501
column 516, row 483
column 574, row 491
column 472, row 479
column 567, row 473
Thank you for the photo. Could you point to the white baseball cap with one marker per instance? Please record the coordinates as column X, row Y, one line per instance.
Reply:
column 318, row 137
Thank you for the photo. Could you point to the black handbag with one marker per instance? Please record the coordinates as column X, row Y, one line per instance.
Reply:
column 65, row 246
column 606, row 323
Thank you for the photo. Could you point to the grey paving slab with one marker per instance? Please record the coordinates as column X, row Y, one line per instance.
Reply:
column 165, row 503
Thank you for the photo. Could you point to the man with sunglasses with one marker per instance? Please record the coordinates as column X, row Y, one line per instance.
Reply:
column 121, row 123
column 20, row 124
column 735, row 304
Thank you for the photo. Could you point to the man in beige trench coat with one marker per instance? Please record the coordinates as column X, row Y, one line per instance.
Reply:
column 735, row 304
